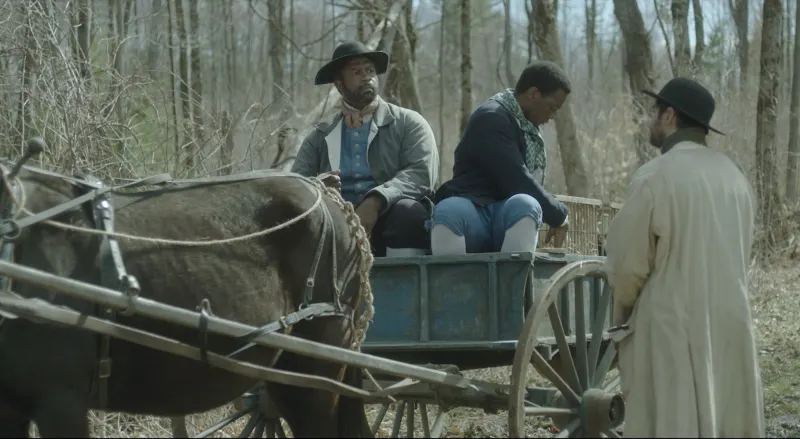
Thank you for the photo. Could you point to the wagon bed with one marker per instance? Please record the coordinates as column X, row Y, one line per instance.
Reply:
column 466, row 310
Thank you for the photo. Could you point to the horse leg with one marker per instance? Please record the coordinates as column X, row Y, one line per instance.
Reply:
column 317, row 413
column 13, row 425
column 61, row 413
column 178, row 425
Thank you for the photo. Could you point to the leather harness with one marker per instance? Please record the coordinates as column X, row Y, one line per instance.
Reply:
column 92, row 196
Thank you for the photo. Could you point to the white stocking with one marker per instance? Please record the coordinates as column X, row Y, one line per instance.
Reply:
column 521, row 237
column 445, row 242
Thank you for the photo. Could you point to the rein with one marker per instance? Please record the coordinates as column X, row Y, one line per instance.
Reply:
column 114, row 274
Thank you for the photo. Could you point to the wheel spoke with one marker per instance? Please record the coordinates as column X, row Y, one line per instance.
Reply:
column 570, row 428
column 251, row 424
column 549, row 411
column 438, row 424
column 423, row 417
column 410, row 419
column 379, row 418
column 555, row 378
column 605, row 364
column 279, row 433
column 580, row 335
column 265, row 426
column 597, row 329
column 567, row 364
column 398, row 418
column 227, row 421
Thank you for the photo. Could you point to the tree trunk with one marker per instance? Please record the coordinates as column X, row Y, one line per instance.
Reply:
column 680, row 35
column 82, row 21
column 401, row 84
column 510, row 79
column 183, row 78
column 154, row 47
column 590, row 7
column 572, row 160
column 767, row 187
column 196, row 82
column 699, row 36
column 441, row 140
column 173, row 75
column 639, row 68
column 793, row 165
column 277, row 48
column 740, row 10
column 466, row 65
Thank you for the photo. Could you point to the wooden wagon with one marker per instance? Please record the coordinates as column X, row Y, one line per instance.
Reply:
column 546, row 312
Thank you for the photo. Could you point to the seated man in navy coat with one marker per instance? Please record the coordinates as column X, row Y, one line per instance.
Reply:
column 495, row 201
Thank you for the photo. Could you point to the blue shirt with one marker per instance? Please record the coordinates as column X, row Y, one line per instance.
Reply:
column 354, row 170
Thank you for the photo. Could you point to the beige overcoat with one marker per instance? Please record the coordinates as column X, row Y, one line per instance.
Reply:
column 678, row 252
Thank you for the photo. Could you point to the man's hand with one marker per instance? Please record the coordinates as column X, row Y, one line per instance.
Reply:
column 368, row 212
column 333, row 180
column 557, row 235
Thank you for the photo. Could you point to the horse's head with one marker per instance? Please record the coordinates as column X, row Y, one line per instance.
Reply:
column 30, row 201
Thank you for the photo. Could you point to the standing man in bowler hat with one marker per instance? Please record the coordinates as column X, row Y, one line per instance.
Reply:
column 678, row 253
column 383, row 157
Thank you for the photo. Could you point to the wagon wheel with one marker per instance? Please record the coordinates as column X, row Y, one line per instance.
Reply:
column 581, row 403
column 408, row 410
column 262, row 418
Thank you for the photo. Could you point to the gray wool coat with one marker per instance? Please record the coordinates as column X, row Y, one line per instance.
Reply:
column 401, row 153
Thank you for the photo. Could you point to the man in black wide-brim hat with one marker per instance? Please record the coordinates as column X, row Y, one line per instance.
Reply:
column 383, row 157
column 678, row 253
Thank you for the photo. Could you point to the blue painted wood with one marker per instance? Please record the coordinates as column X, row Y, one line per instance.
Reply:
column 475, row 302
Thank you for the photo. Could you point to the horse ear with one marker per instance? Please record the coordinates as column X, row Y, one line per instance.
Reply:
column 36, row 146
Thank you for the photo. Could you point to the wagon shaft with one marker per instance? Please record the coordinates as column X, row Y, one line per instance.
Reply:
column 183, row 317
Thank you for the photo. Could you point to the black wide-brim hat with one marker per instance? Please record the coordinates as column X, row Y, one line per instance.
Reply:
column 346, row 51
column 689, row 98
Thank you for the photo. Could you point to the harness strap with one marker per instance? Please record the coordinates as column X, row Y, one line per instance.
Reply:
column 112, row 275
column 306, row 313
column 9, row 227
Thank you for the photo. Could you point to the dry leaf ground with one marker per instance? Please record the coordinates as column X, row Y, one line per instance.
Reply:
column 776, row 306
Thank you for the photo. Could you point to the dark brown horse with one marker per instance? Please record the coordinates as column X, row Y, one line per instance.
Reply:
column 47, row 372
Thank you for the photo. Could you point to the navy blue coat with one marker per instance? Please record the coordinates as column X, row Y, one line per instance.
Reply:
column 489, row 164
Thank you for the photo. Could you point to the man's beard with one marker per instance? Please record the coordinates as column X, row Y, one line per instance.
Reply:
column 656, row 139
column 361, row 96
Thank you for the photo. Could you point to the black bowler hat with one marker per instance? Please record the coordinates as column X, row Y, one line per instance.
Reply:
column 689, row 98
column 349, row 50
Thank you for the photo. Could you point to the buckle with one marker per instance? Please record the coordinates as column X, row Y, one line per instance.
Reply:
column 104, row 368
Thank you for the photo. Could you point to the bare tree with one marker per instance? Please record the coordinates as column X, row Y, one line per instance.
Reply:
column 401, row 87
column 639, row 68
column 510, row 80
column 740, row 10
column 680, row 35
column 466, row 64
column 699, row 36
column 572, row 159
column 81, row 22
column 793, row 163
column 590, row 9
column 277, row 46
column 767, row 186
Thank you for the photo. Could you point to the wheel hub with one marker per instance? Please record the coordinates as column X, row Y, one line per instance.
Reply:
column 601, row 411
